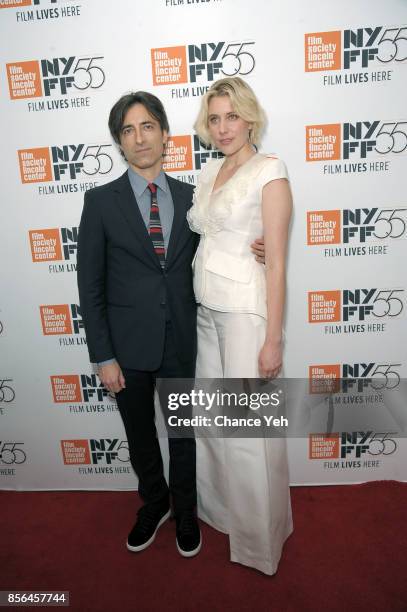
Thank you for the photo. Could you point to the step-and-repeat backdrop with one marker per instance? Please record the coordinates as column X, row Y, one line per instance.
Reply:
column 332, row 79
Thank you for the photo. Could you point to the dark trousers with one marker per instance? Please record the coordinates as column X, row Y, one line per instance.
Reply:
column 136, row 406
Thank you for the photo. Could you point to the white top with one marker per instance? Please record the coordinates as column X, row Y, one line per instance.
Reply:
column 226, row 275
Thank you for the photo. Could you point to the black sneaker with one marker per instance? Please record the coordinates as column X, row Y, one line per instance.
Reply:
column 189, row 539
column 149, row 519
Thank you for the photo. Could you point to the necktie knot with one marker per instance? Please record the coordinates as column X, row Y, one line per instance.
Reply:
column 152, row 187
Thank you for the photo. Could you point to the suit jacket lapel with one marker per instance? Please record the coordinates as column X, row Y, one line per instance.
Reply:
column 129, row 207
column 180, row 209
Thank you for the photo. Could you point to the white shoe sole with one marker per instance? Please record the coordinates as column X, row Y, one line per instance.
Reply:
column 190, row 553
column 151, row 540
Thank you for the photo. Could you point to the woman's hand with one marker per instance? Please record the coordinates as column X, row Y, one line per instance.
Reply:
column 258, row 250
column 271, row 359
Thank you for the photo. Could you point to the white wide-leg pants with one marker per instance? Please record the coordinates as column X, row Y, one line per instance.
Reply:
column 242, row 483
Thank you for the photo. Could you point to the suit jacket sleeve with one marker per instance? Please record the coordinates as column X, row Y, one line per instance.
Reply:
column 91, row 262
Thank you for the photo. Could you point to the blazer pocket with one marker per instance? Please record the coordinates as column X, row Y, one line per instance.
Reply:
column 229, row 266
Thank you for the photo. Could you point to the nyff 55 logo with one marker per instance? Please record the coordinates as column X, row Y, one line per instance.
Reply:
column 56, row 163
column 355, row 304
column 184, row 153
column 107, row 450
column 56, row 76
column 191, row 63
column 357, row 140
column 347, row 444
column 355, row 48
column 77, row 388
column 361, row 225
column 61, row 319
column 53, row 244
column 333, row 378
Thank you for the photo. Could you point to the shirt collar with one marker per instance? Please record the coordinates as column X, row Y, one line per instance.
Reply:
column 139, row 183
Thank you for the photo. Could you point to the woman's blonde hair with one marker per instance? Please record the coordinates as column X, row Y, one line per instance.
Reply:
column 244, row 103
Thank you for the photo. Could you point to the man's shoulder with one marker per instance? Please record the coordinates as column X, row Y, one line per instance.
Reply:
column 187, row 188
column 107, row 188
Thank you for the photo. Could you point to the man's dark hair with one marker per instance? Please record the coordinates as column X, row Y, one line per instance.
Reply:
column 150, row 102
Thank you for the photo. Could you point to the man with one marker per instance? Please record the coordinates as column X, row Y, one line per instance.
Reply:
column 135, row 287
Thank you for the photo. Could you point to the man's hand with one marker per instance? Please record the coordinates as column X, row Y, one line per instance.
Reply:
column 258, row 249
column 112, row 377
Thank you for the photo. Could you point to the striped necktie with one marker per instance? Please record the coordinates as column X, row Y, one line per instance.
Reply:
column 154, row 228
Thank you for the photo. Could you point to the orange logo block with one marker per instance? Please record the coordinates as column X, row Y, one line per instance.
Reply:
column 14, row 3
column 24, row 80
column 324, row 227
column 323, row 142
column 323, row 51
column 322, row 446
column 324, row 306
column 45, row 245
column 169, row 65
column 66, row 388
column 178, row 154
column 324, row 378
column 35, row 165
column 75, row 452
column 55, row 320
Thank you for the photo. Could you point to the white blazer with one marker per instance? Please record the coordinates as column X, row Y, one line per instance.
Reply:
column 226, row 275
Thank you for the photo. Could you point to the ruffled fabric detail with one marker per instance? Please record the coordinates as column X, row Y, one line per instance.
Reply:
column 209, row 213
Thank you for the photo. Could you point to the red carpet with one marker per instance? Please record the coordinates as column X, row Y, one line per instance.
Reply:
column 348, row 552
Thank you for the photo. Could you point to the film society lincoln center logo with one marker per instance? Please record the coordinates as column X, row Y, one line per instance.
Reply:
column 53, row 244
column 325, row 227
column 201, row 62
column 355, row 141
column 96, row 451
column 77, row 388
column 61, row 319
column 336, row 377
column 16, row 3
column 65, row 162
column 178, row 154
column 355, row 48
column 20, row 3
column 4, row 4
column 359, row 445
column 186, row 153
column 354, row 305
column 56, row 76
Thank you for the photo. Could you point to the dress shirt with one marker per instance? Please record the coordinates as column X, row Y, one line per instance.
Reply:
column 164, row 200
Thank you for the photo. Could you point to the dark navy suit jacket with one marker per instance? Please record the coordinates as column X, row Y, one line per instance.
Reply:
column 125, row 296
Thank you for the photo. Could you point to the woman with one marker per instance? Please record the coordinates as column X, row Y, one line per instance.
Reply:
column 242, row 483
